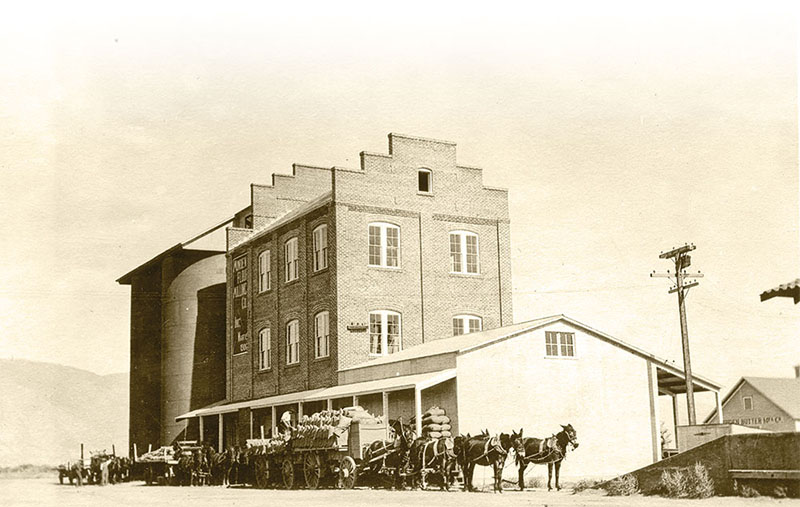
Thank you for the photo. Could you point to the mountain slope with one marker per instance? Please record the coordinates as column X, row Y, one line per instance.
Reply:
column 47, row 410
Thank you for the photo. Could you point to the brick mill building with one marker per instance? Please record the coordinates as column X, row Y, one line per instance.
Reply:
column 388, row 286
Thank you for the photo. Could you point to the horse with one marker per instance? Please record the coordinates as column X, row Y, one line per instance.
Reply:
column 432, row 453
column 234, row 465
column 219, row 466
column 390, row 454
column 486, row 450
column 550, row 451
column 184, row 470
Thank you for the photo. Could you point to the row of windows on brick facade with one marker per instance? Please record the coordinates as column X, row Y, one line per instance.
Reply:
column 385, row 336
column 384, row 251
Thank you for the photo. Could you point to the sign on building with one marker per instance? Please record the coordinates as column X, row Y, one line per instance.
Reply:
column 240, row 306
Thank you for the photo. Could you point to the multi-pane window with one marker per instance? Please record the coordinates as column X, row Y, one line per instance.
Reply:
column 384, row 333
column 464, row 252
column 463, row 324
column 320, row 247
column 264, row 271
column 384, row 245
column 321, row 335
column 424, row 180
column 291, row 263
column 292, row 342
column 264, row 349
column 558, row 341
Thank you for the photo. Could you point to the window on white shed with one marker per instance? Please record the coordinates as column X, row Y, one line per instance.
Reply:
column 747, row 401
column 558, row 343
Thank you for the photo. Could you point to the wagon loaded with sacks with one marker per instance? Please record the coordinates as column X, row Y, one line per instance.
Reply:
column 327, row 448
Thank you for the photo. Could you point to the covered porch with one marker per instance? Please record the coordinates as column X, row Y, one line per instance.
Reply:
column 231, row 423
column 666, row 380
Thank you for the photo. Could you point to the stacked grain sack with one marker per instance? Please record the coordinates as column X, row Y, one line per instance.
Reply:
column 320, row 430
column 258, row 446
column 435, row 423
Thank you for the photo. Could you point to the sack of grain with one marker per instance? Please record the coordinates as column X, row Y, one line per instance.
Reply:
column 433, row 411
column 432, row 434
column 435, row 419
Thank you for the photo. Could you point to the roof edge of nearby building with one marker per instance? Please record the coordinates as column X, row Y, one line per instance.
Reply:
column 749, row 380
column 286, row 218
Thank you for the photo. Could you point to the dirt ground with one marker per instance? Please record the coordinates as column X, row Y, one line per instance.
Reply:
column 47, row 491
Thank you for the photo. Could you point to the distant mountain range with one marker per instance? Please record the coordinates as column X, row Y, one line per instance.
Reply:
column 47, row 410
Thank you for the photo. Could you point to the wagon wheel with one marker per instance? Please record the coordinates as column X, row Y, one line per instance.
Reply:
column 261, row 471
column 312, row 470
column 347, row 473
column 287, row 471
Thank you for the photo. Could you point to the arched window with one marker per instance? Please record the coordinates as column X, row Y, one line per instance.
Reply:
column 292, row 342
column 264, row 349
column 264, row 271
column 463, row 324
column 464, row 253
column 320, row 235
column 384, row 245
column 321, row 335
column 290, row 260
column 384, row 333
column 425, row 181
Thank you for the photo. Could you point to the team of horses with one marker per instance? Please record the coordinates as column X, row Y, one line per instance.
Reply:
column 409, row 457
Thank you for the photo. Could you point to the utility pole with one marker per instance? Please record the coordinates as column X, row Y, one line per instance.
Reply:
column 682, row 260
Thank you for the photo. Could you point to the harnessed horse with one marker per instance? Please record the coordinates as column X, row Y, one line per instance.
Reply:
column 390, row 455
column 550, row 451
column 486, row 450
column 432, row 454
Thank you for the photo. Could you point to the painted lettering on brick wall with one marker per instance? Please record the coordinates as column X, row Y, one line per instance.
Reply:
column 240, row 306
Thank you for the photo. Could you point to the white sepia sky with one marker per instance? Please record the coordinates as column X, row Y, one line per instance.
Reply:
column 620, row 133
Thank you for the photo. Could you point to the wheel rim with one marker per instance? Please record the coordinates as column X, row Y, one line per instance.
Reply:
column 312, row 470
column 261, row 473
column 347, row 473
column 288, row 474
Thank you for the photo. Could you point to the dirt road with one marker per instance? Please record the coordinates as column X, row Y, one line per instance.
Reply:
column 47, row 491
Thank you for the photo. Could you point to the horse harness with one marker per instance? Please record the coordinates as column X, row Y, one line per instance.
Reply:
column 448, row 449
column 549, row 452
column 492, row 444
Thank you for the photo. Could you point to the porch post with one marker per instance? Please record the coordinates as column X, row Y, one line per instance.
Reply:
column 355, row 400
column 251, row 423
column 329, row 404
column 273, row 422
column 719, row 407
column 201, row 428
column 652, row 384
column 219, row 432
column 675, row 418
column 385, row 400
column 299, row 411
column 418, row 410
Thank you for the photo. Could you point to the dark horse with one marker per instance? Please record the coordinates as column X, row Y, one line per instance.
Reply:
column 486, row 450
column 435, row 455
column 550, row 451
column 390, row 456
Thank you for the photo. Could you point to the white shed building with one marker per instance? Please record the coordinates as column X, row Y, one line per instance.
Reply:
column 536, row 375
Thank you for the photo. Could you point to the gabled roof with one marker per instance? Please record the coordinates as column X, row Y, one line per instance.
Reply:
column 784, row 393
column 467, row 343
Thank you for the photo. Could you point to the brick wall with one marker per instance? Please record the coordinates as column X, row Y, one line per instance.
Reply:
column 422, row 290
